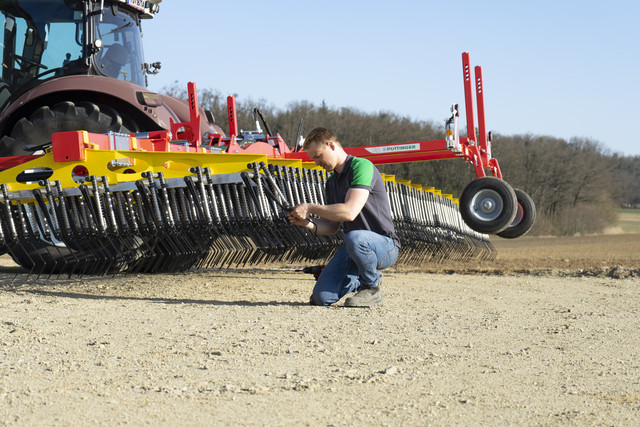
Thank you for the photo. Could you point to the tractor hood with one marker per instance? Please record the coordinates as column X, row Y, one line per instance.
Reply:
column 153, row 111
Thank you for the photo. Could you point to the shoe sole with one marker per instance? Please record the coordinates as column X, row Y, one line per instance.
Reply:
column 348, row 303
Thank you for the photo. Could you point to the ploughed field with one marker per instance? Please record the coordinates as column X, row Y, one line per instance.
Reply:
column 547, row 333
column 605, row 255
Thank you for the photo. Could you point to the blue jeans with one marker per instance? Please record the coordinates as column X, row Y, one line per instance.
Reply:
column 355, row 263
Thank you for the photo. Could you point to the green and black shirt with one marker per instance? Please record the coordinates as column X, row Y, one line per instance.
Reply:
column 376, row 213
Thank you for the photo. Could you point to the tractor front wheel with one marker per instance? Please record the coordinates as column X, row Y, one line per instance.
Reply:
column 488, row 205
column 525, row 217
column 64, row 116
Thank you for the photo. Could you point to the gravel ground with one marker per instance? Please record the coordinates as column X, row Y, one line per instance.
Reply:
column 242, row 347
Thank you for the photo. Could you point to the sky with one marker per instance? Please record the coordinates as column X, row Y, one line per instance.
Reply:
column 562, row 68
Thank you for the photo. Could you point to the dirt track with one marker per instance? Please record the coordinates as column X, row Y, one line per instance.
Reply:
column 557, row 345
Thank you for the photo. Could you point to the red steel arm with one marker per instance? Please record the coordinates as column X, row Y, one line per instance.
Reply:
column 482, row 129
column 396, row 153
column 231, row 111
column 468, row 96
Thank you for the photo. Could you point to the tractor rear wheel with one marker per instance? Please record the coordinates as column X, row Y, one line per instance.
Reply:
column 64, row 116
column 488, row 205
column 525, row 217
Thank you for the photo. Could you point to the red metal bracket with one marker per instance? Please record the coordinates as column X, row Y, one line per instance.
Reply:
column 189, row 131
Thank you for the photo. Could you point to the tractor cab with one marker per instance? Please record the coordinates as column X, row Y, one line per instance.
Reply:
column 44, row 39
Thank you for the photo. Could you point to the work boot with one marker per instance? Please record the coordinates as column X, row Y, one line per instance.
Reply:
column 367, row 296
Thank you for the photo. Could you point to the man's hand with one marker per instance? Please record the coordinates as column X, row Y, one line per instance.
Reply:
column 330, row 215
column 299, row 214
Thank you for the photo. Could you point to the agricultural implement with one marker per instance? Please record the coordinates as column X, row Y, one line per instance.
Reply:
column 169, row 200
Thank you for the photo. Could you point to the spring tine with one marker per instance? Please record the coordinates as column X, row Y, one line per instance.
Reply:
column 171, row 252
column 225, row 220
column 238, row 222
column 149, row 226
column 255, row 238
column 184, row 249
column 258, row 222
column 52, row 213
column 202, row 217
column 178, row 252
column 29, row 234
column 111, row 252
column 165, row 251
column 276, row 245
column 75, row 234
column 60, row 218
column 294, row 186
column 221, row 221
column 4, row 244
column 42, row 218
column 147, row 230
column 242, row 224
column 95, row 231
column 133, row 243
column 121, row 247
column 7, row 220
column 189, row 227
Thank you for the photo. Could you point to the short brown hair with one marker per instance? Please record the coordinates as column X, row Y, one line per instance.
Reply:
column 319, row 135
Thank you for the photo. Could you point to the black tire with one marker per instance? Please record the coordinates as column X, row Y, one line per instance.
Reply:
column 62, row 117
column 488, row 205
column 525, row 217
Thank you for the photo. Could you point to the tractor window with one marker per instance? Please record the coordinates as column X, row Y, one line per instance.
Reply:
column 121, row 54
column 64, row 46
column 37, row 38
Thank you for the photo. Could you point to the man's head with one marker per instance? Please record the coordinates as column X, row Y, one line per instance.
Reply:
column 319, row 136
column 323, row 147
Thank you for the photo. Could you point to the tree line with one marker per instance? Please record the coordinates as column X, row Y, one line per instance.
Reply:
column 577, row 184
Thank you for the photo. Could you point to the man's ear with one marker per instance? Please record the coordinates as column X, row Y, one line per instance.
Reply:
column 331, row 145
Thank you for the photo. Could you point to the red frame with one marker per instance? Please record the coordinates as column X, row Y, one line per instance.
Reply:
column 185, row 137
column 476, row 151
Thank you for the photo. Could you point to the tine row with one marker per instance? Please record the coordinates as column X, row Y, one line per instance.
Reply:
column 159, row 225
column 431, row 229
column 204, row 220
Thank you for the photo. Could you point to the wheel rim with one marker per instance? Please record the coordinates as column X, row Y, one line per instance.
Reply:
column 486, row 205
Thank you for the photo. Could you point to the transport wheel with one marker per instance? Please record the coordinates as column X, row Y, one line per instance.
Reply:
column 64, row 116
column 525, row 217
column 488, row 205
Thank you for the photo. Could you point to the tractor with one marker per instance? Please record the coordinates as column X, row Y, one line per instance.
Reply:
column 78, row 64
